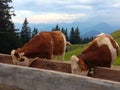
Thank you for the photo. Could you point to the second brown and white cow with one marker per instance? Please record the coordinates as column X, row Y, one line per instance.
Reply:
column 102, row 51
column 43, row 45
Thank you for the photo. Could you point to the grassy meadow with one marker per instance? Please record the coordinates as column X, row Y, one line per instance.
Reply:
column 74, row 50
column 78, row 48
column 116, row 36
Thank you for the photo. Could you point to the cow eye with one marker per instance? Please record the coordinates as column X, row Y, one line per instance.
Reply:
column 17, row 55
column 22, row 59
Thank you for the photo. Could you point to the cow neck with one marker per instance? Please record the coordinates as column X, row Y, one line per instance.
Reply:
column 85, row 59
column 83, row 62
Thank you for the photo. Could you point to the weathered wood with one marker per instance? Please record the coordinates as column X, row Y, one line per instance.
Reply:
column 107, row 73
column 4, row 58
column 13, row 77
column 52, row 65
column 41, row 63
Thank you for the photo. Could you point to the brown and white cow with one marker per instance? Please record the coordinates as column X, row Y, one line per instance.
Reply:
column 102, row 51
column 43, row 45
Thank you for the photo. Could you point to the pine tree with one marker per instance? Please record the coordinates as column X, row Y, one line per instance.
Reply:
column 35, row 31
column 63, row 30
column 7, row 31
column 72, row 34
column 25, row 32
column 77, row 36
column 57, row 28
column 65, row 33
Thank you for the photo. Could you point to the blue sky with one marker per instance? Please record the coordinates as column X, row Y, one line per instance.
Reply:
column 55, row 11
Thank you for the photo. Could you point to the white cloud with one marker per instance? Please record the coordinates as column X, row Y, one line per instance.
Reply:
column 116, row 5
column 85, row 1
column 22, row 1
column 43, row 11
column 46, row 17
column 24, row 12
column 79, row 7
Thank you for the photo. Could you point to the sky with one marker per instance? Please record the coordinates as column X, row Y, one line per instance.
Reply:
column 55, row 11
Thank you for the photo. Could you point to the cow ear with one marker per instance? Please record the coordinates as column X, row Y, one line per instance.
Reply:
column 74, row 58
column 22, row 54
column 17, row 55
column 14, row 52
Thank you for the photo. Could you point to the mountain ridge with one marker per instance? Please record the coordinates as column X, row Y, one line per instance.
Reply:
column 86, row 29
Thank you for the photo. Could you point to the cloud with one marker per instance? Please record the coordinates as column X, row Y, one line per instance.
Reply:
column 116, row 5
column 46, row 17
column 38, row 11
column 79, row 7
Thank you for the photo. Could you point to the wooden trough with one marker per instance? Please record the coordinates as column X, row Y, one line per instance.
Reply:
column 100, row 72
column 107, row 73
column 41, row 63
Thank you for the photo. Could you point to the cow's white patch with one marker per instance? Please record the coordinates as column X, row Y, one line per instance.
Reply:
column 17, row 61
column 103, row 40
column 27, row 62
column 13, row 56
column 100, row 34
column 75, row 67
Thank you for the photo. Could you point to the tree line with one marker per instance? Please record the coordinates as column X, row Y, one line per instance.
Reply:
column 74, row 35
column 11, row 38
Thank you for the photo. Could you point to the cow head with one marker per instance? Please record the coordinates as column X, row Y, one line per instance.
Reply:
column 77, row 66
column 20, row 59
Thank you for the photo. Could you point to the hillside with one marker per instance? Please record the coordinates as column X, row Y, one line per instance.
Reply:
column 90, row 34
column 116, row 36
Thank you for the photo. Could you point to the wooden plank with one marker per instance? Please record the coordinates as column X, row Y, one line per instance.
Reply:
column 52, row 65
column 4, row 58
column 41, row 63
column 21, row 78
column 107, row 73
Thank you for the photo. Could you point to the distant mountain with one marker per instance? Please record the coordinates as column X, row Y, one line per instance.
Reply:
column 102, row 27
column 49, row 26
column 86, row 29
column 90, row 34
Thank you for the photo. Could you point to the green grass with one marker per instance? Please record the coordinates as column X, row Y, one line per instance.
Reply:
column 73, row 47
column 74, row 50
column 116, row 36
column 117, row 61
